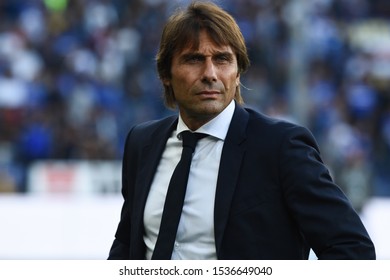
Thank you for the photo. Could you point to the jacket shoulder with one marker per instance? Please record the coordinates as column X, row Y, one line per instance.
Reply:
column 148, row 129
column 279, row 124
column 279, row 130
column 153, row 125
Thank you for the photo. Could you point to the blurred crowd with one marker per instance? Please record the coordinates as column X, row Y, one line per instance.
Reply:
column 76, row 75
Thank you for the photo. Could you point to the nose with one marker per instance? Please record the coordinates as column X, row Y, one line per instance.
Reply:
column 209, row 71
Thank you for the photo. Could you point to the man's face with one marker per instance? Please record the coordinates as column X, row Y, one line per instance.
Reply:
column 203, row 81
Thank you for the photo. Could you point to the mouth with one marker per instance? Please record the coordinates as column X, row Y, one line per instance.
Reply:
column 208, row 93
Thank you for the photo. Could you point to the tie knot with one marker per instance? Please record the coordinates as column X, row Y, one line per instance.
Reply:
column 191, row 138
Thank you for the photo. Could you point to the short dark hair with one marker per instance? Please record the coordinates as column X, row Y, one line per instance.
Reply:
column 182, row 29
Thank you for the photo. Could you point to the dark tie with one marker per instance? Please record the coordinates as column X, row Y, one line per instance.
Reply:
column 175, row 198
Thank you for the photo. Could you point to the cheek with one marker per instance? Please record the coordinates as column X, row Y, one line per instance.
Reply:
column 178, row 83
column 232, row 82
column 183, row 81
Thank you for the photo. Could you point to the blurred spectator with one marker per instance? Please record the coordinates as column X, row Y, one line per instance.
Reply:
column 76, row 75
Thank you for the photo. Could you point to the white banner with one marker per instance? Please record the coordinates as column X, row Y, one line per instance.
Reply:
column 76, row 177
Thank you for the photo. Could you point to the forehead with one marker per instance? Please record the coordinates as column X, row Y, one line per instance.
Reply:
column 203, row 42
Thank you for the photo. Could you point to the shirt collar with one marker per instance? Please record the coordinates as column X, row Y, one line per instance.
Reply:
column 217, row 127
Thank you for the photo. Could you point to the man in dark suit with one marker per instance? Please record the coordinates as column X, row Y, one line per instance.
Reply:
column 257, row 187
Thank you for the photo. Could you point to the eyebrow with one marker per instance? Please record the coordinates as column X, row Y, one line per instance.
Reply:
column 199, row 54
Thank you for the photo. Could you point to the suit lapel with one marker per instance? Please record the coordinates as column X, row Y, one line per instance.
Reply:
column 232, row 155
column 150, row 158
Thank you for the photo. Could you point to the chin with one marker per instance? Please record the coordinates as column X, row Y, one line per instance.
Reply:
column 210, row 111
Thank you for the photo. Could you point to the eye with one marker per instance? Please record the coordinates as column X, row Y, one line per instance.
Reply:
column 193, row 58
column 223, row 58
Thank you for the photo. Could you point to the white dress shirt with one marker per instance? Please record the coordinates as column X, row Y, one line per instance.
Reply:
column 195, row 235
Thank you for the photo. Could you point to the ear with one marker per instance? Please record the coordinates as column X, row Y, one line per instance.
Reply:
column 166, row 82
column 238, row 80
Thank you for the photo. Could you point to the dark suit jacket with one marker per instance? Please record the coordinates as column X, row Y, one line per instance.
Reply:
column 274, row 199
